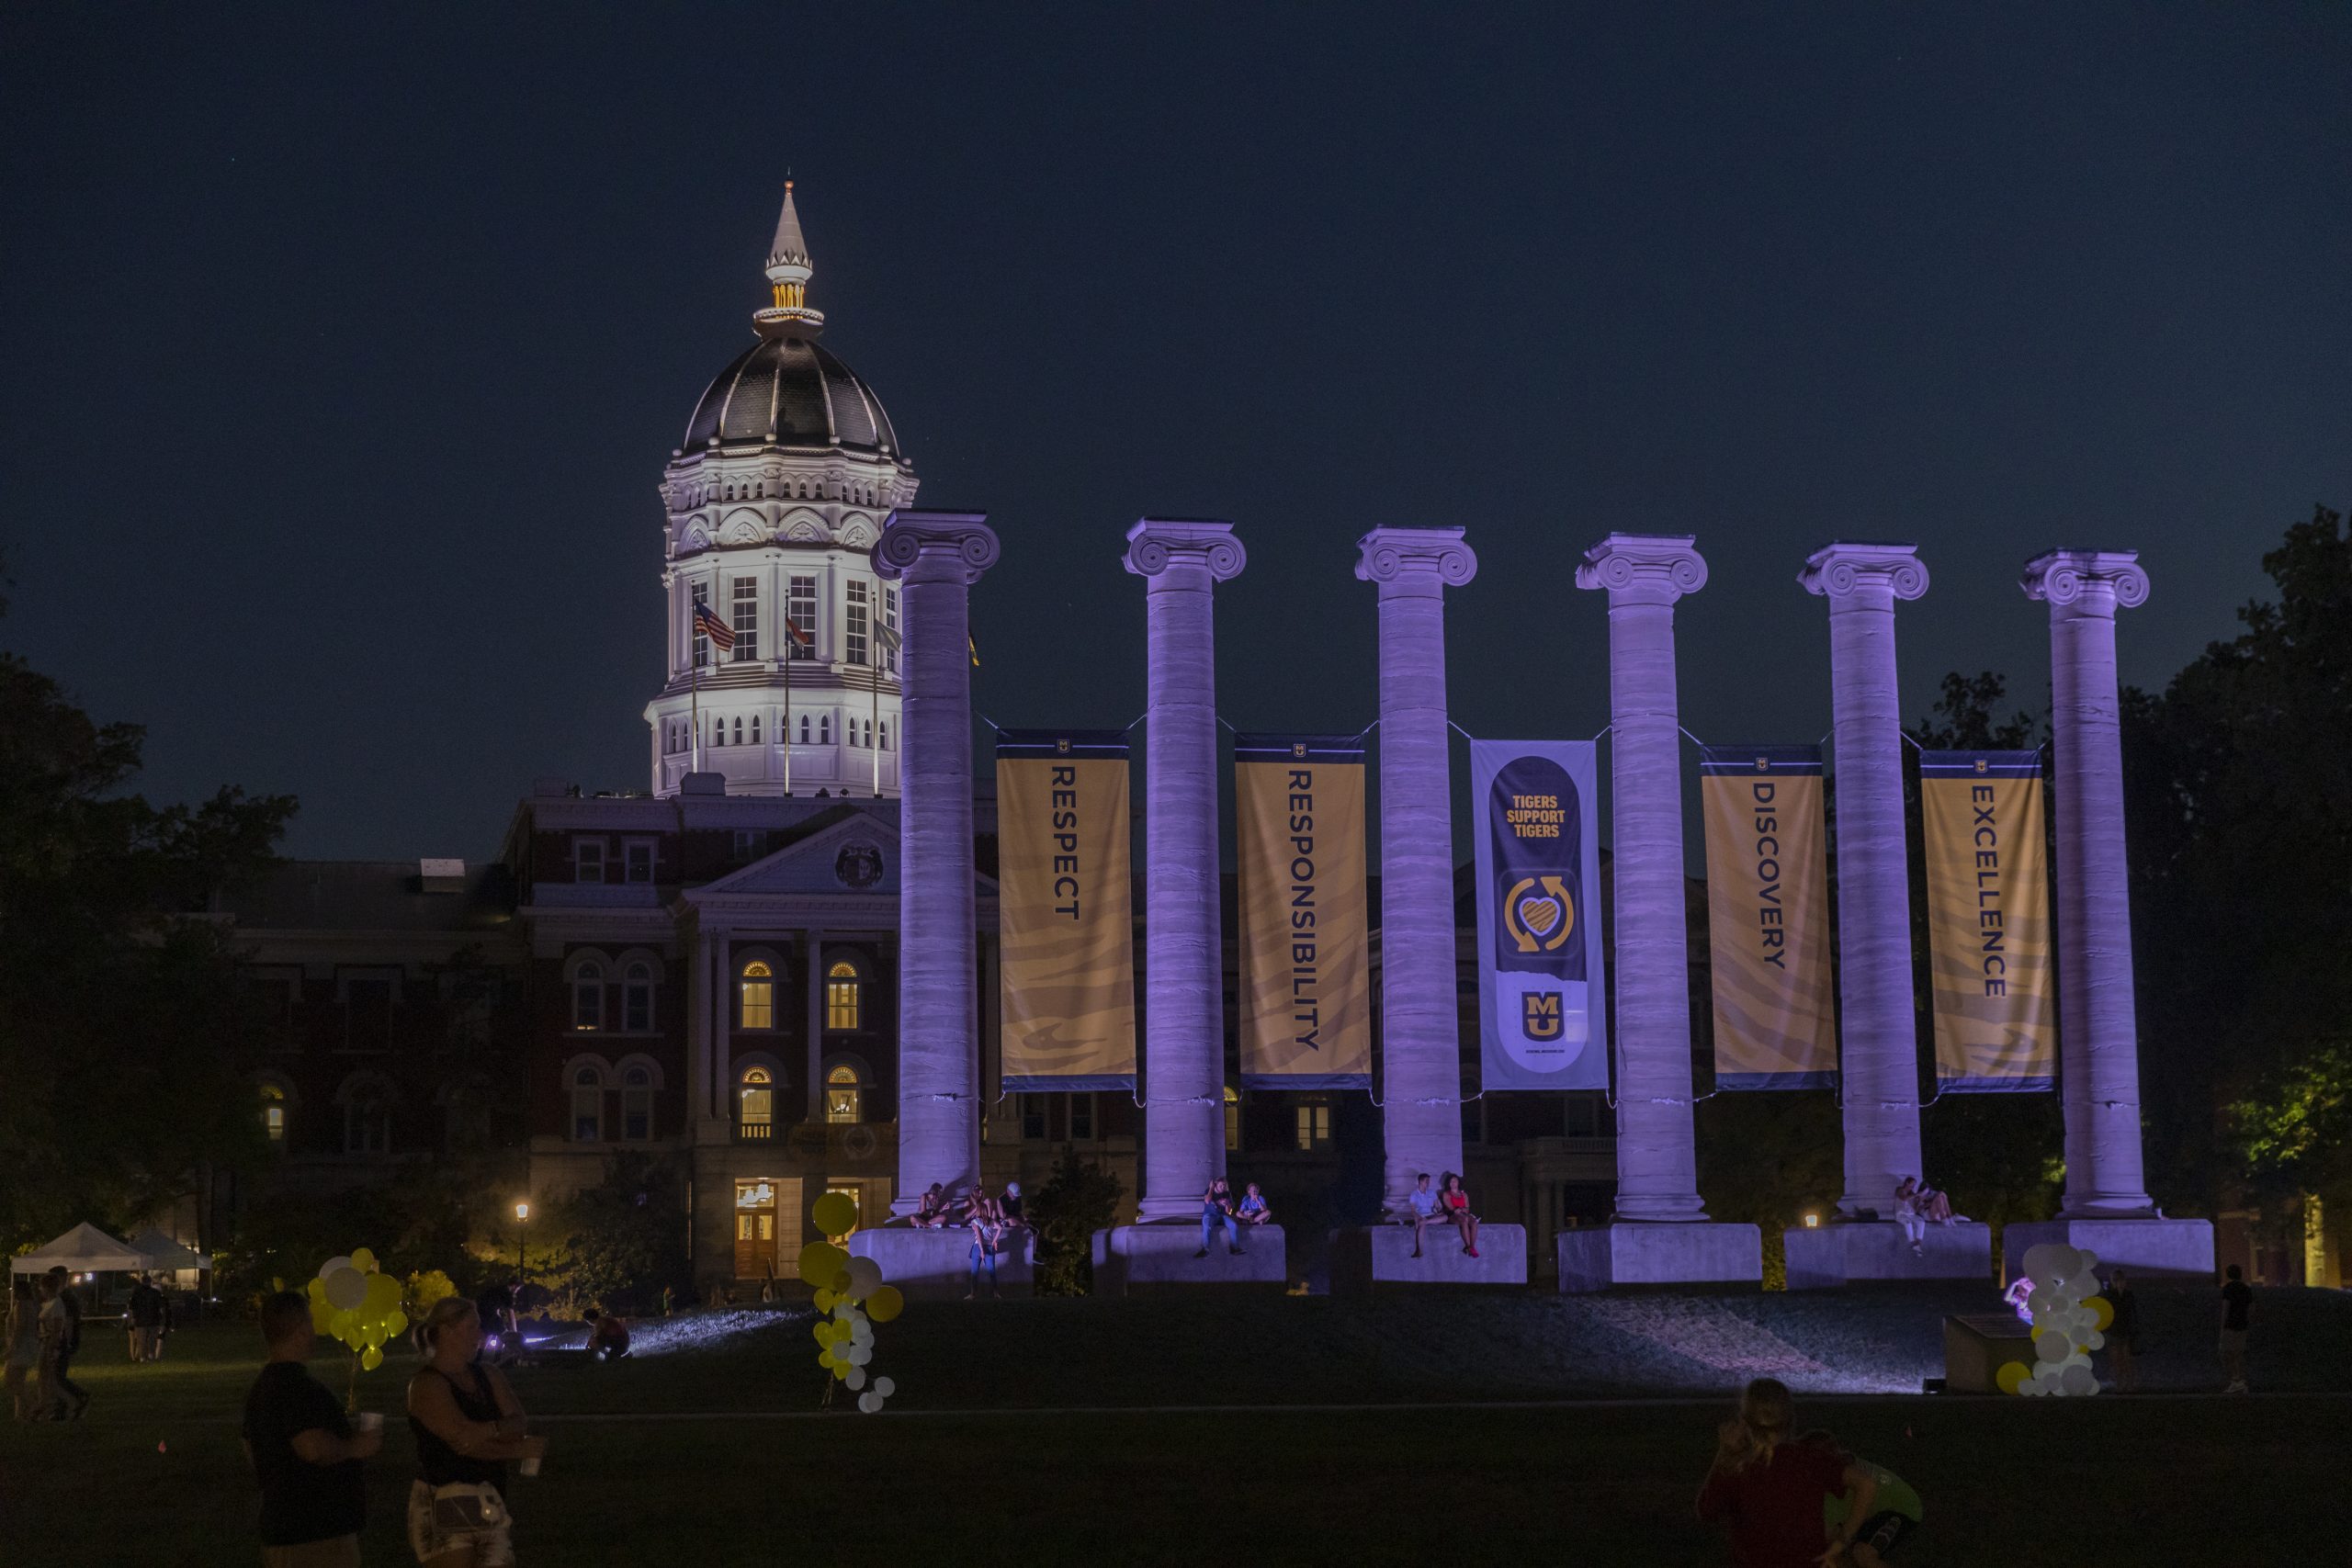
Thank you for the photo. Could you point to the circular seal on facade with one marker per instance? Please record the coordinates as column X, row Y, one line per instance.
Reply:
column 859, row 1143
column 859, row 866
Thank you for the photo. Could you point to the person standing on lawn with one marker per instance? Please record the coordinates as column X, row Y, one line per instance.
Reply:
column 69, row 1345
column 21, row 1352
column 146, row 1311
column 303, row 1449
column 468, row 1423
column 2237, row 1305
column 1773, row 1488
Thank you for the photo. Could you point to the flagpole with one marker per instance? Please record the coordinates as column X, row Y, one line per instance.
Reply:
column 789, row 642
column 873, row 739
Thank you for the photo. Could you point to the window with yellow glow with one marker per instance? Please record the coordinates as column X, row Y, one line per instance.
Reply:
column 759, row 996
column 843, row 994
column 758, row 1099
column 273, row 1113
column 1232, row 1121
column 843, row 1099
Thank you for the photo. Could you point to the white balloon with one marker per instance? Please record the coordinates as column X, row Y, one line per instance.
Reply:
column 2052, row 1345
column 859, row 1355
column 856, row 1378
column 340, row 1260
column 2041, row 1259
column 884, row 1387
column 861, row 1331
column 865, row 1277
column 2044, row 1304
column 846, row 1311
column 2094, row 1340
column 869, row 1403
column 2078, row 1380
column 347, row 1287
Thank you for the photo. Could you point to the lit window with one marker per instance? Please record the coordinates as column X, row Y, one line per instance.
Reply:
column 746, row 608
column 273, row 1113
column 843, row 1097
column 1314, row 1126
column 637, row 1105
column 587, row 1106
column 587, row 860
column 758, row 1101
column 758, row 990
column 843, row 992
column 637, row 998
column 853, row 626
column 1232, row 1121
column 801, row 610
column 588, row 997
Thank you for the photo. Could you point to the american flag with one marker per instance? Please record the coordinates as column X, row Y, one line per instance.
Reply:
column 706, row 622
column 797, row 636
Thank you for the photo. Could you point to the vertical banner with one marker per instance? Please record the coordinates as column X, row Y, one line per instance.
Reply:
column 1064, row 914
column 1306, row 987
column 1988, row 920
column 1543, row 1006
column 1768, row 917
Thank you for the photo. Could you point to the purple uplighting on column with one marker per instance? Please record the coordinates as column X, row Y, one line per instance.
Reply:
column 2098, row 1028
column 1879, row 1070
column 1182, row 563
column 1420, row 1023
column 1658, row 1175
column 937, row 556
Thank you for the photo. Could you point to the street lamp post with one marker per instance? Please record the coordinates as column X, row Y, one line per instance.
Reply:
column 523, row 1246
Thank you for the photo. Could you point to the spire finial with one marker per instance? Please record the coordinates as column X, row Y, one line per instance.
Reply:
column 788, row 271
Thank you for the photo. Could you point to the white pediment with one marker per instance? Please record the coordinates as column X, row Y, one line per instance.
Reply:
column 857, row 854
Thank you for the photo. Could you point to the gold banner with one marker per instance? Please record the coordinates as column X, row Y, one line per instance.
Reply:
column 1064, row 913
column 1988, row 920
column 1768, row 917
column 1305, row 994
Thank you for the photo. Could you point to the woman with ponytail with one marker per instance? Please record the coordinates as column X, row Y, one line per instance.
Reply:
column 1770, row 1485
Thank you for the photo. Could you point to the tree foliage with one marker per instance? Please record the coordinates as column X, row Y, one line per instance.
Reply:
column 619, row 1242
column 1080, row 1198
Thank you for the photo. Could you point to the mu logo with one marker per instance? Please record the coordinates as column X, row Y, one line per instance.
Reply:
column 1539, row 922
column 1540, row 1014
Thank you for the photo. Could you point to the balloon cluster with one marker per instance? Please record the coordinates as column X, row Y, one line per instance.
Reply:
column 853, row 1298
column 351, row 1302
column 2069, row 1321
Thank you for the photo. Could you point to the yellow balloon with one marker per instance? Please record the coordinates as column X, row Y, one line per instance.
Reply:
column 824, row 1301
column 841, row 1283
column 885, row 1304
column 383, row 1293
column 835, row 1213
column 363, row 1259
column 396, row 1325
column 322, row 1315
column 371, row 1359
column 841, row 1368
column 318, row 1288
column 2011, row 1374
column 824, row 1333
column 825, row 1360
column 2102, row 1313
column 819, row 1261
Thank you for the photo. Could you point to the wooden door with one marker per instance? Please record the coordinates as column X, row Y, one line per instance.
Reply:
column 754, row 1229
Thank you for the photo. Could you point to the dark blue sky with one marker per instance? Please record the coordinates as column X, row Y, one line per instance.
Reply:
column 342, row 348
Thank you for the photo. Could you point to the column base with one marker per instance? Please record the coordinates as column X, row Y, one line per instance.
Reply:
column 936, row 1265
column 1132, row 1258
column 1836, row 1255
column 1363, row 1257
column 2145, row 1248
column 1599, row 1258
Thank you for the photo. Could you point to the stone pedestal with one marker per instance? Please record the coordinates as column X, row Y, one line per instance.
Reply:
column 1831, row 1256
column 1879, row 1059
column 1183, row 1002
column 1131, row 1259
column 2149, row 1248
column 936, row 1265
column 937, row 556
column 1365, row 1257
column 1420, row 1023
column 1598, row 1258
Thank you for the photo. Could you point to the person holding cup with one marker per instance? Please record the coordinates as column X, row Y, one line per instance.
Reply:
column 468, row 1424
column 304, row 1450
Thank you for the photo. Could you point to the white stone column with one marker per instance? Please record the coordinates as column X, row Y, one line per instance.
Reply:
column 1657, row 1176
column 1879, row 1071
column 1183, row 978
column 1420, row 1016
column 2098, row 1026
column 699, row 1073
column 937, row 556
column 813, row 1007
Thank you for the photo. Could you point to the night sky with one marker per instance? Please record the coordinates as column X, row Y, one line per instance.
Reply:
column 344, row 347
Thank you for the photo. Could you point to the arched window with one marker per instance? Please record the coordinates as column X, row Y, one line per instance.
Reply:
column 368, row 1121
column 637, row 1104
column 637, row 998
column 738, row 729
column 824, row 729
column 588, row 997
column 273, row 1114
column 755, row 729
column 844, row 995
column 587, row 1106
column 758, row 991
column 803, row 729
column 886, row 735
column 758, row 1099
column 843, row 1097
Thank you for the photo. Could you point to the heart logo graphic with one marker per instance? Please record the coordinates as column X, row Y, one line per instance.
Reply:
column 1540, row 915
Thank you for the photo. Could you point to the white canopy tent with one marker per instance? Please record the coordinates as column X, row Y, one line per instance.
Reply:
column 85, row 1250
column 163, row 1252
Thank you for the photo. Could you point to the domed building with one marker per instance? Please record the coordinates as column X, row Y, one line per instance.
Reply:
column 783, row 664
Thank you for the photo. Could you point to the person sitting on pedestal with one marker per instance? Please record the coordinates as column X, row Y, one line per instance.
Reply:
column 1217, row 1208
column 1425, row 1209
column 930, row 1209
column 1454, row 1199
column 1010, row 1206
column 1253, row 1210
column 1909, row 1215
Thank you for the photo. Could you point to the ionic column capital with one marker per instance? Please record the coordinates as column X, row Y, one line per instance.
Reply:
column 1155, row 544
column 2095, row 582
column 945, row 544
column 1856, row 572
column 1394, row 555
column 1644, row 568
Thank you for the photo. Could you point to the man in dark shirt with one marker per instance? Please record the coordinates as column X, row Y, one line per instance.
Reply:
column 2237, row 1300
column 304, row 1452
column 146, row 1313
column 73, row 1345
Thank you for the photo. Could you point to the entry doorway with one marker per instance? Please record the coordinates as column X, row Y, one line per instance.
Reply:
column 764, row 1243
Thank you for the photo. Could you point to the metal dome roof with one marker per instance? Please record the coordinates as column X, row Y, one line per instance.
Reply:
column 787, row 391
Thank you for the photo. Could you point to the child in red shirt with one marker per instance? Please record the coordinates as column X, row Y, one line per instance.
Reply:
column 1769, row 1485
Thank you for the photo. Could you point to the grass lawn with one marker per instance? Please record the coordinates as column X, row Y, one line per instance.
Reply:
column 711, row 1456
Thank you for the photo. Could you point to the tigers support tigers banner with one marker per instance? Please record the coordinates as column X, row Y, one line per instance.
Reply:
column 1064, row 914
column 1306, row 982
column 1768, row 917
column 1542, row 1005
column 1988, row 920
